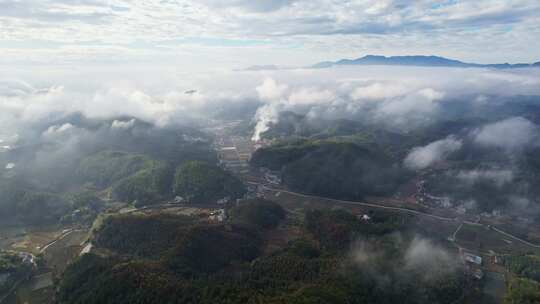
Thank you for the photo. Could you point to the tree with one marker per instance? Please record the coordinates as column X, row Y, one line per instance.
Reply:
column 201, row 182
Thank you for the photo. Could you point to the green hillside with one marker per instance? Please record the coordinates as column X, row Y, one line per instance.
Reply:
column 177, row 259
column 338, row 169
column 202, row 182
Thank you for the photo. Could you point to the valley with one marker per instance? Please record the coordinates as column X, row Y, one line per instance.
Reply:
column 345, row 176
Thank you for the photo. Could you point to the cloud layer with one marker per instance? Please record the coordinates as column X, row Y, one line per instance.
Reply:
column 400, row 98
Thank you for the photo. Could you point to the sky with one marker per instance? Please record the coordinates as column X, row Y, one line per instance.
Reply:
column 234, row 34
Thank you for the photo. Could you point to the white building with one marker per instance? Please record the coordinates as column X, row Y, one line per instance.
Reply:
column 219, row 215
column 179, row 200
column 471, row 258
column 272, row 178
column 87, row 249
column 224, row 200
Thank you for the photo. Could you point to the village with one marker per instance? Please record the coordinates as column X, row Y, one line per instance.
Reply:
column 484, row 263
column 483, row 260
column 30, row 279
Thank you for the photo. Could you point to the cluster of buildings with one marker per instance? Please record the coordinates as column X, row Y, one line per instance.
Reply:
column 423, row 197
column 460, row 207
column 234, row 153
column 180, row 200
column 218, row 216
column 271, row 177
column 473, row 264
column 215, row 216
column 230, row 159
column 27, row 265
column 364, row 217
column 256, row 191
column 261, row 143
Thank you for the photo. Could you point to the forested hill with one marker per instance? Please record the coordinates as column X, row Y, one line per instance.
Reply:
column 335, row 169
column 424, row 61
column 179, row 259
column 121, row 159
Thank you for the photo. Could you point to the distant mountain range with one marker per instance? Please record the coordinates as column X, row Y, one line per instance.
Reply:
column 262, row 68
column 428, row 61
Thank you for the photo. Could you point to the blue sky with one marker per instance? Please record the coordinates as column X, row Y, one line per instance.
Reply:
column 209, row 34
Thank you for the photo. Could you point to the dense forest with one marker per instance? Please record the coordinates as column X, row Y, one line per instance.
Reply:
column 331, row 168
column 12, row 269
column 351, row 159
column 29, row 205
column 257, row 213
column 202, row 182
column 524, row 283
column 55, row 182
column 526, row 265
column 334, row 257
column 522, row 291
column 338, row 259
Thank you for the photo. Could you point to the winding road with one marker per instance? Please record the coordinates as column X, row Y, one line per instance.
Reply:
column 409, row 211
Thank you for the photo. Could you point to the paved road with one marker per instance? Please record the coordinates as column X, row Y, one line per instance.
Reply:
column 61, row 237
column 410, row 211
column 415, row 212
column 515, row 237
column 456, row 232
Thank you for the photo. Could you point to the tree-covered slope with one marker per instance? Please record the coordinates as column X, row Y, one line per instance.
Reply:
column 257, row 213
column 107, row 167
column 202, row 182
column 331, row 168
column 197, row 262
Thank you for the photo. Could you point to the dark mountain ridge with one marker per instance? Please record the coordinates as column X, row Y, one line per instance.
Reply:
column 417, row 60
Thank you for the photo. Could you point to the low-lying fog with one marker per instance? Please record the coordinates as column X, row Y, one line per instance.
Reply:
column 398, row 96
column 58, row 112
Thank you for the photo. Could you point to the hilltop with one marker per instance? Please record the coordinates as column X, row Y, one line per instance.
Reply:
column 417, row 60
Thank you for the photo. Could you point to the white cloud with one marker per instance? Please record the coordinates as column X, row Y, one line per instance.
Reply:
column 423, row 254
column 270, row 90
column 431, row 94
column 311, row 96
column 250, row 5
column 13, row 88
column 119, row 124
column 423, row 157
column 512, row 133
column 58, row 131
column 397, row 97
column 379, row 90
column 421, row 104
column 499, row 177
